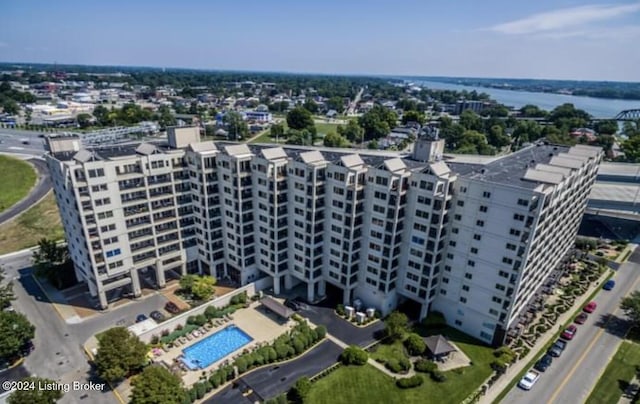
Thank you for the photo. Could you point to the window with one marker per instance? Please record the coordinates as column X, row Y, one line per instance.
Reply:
column 445, row 280
column 518, row 217
column 471, row 263
column 417, row 240
column 503, row 274
column 463, row 190
column 483, row 209
column 496, row 299
column 486, row 194
column 468, row 275
column 458, row 323
column 500, row 287
column 452, row 243
column 514, row 232
column 460, row 203
column 465, row 288
column 447, row 268
column 480, row 223
column 523, row 202
column 511, row 247
column 113, row 253
column 474, row 250
column 454, row 230
column 507, row 260
column 463, row 299
column 443, row 292
column 457, row 217
column 477, row 237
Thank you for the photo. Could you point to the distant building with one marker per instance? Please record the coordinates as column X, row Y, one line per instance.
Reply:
column 475, row 106
column 258, row 116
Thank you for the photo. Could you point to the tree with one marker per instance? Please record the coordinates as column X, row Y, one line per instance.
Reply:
column 157, row 385
column 16, row 331
column 186, row 282
column 300, row 390
column 300, row 118
column 164, row 116
column 631, row 307
column 276, row 130
column 373, row 145
column 6, row 292
column 311, row 106
column 413, row 116
column 415, row 344
column 10, row 107
column 300, row 137
column 608, row 127
column 36, row 395
column 631, row 149
column 497, row 138
column 377, row 122
column 119, row 353
column 395, row 325
column 53, row 262
column 567, row 116
column 236, row 125
column 533, row 111
column 332, row 139
column 84, row 120
column 352, row 131
column 471, row 121
column 354, row 355
column 335, row 103
column 527, row 131
column 101, row 113
column 203, row 287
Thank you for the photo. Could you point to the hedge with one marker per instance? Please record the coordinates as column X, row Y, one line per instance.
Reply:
column 178, row 333
column 410, row 382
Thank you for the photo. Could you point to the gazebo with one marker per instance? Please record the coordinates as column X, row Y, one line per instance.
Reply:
column 439, row 347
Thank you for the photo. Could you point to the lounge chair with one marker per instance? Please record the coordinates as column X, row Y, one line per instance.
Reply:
column 189, row 337
column 195, row 334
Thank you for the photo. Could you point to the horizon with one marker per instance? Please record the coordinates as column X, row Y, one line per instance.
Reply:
column 548, row 40
column 310, row 73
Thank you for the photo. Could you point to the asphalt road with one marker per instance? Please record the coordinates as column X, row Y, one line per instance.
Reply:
column 572, row 376
column 43, row 185
column 58, row 353
column 274, row 380
column 11, row 142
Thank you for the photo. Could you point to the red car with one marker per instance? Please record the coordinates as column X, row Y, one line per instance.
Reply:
column 590, row 307
column 570, row 332
column 581, row 318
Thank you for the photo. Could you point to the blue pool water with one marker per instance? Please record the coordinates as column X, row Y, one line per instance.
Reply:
column 214, row 347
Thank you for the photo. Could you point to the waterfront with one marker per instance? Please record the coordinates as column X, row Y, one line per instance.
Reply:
column 597, row 107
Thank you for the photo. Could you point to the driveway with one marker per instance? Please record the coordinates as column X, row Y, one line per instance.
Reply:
column 43, row 185
column 340, row 328
column 276, row 379
column 14, row 374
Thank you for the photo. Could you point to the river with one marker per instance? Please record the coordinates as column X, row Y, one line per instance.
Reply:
column 597, row 107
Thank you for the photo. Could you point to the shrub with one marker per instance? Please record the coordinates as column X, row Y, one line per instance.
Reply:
column 298, row 345
column 211, row 312
column 425, row 366
column 297, row 318
column 164, row 333
column 179, row 327
column 398, row 365
column 200, row 320
column 155, row 339
column 354, row 355
column 300, row 390
column 340, row 310
column 438, row 376
column 191, row 320
column 241, row 364
column 321, row 331
column 201, row 390
column 410, row 382
column 415, row 344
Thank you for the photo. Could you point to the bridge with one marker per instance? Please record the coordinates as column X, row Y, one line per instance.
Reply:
column 628, row 115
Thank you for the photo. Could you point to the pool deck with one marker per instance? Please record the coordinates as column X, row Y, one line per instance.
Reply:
column 263, row 327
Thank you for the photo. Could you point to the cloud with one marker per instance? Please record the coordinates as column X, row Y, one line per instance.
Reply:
column 609, row 34
column 565, row 18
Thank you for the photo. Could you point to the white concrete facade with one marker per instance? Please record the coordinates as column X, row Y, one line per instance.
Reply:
column 473, row 241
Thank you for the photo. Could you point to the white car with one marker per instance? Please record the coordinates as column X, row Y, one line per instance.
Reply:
column 529, row 380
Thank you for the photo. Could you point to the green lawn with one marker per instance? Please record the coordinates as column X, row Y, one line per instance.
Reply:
column 617, row 375
column 17, row 177
column 368, row 385
column 40, row 221
column 384, row 352
column 324, row 128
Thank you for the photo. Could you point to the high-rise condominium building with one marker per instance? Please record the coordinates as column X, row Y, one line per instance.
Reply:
column 471, row 240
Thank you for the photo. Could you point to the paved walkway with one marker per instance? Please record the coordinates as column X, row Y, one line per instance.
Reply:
column 517, row 367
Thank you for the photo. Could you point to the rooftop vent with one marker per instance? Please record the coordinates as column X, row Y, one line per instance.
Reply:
column 483, row 171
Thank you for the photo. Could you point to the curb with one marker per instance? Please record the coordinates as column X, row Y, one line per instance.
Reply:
column 55, row 305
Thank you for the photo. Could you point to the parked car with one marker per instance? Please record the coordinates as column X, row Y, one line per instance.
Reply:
column 590, row 307
column 543, row 363
column 172, row 308
column 610, row 284
column 569, row 332
column 27, row 348
column 581, row 318
column 292, row 304
column 156, row 315
column 140, row 318
column 529, row 380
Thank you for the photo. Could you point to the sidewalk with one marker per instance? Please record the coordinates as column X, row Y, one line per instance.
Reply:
column 514, row 370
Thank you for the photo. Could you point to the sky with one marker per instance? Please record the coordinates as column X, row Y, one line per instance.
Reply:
column 552, row 39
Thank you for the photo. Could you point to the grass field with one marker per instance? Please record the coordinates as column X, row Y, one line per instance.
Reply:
column 41, row 221
column 617, row 375
column 17, row 177
column 367, row 384
column 322, row 128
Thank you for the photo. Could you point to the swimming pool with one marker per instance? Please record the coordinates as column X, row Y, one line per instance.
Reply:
column 214, row 347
